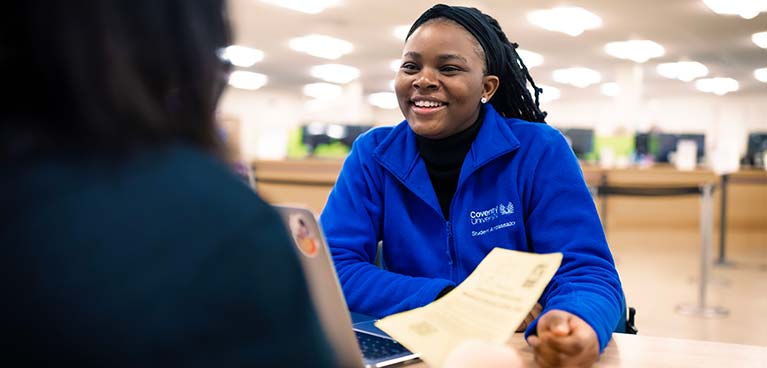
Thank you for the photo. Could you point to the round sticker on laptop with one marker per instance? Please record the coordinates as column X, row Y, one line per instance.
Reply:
column 304, row 239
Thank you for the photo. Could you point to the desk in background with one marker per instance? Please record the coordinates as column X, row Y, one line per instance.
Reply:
column 309, row 182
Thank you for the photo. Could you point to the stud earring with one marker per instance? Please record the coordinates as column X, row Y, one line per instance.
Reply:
column 483, row 100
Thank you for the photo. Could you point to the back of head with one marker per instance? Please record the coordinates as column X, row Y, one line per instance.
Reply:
column 109, row 75
column 513, row 99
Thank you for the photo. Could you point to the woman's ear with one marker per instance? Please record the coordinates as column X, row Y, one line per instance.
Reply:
column 489, row 86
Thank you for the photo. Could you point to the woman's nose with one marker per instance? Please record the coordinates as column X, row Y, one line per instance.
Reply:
column 425, row 79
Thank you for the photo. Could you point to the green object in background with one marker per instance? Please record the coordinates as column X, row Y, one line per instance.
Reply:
column 331, row 150
column 622, row 146
column 298, row 150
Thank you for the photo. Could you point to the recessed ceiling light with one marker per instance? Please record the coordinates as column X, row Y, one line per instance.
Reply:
column 322, row 46
column 531, row 59
column 305, row 6
column 322, row 91
column 383, row 100
column 637, row 51
column 247, row 80
column 335, row 73
column 579, row 77
column 747, row 9
column 717, row 86
column 610, row 89
column 549, row 93
column 761, row 75
column 760, row 39
column 569, row 20
column 395, row 64
column 241, row 56
column 685, row 71
column 400, row 32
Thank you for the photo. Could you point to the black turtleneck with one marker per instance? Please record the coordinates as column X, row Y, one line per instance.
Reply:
column 444, row 158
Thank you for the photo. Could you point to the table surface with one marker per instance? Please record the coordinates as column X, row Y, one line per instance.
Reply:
column 659, row 352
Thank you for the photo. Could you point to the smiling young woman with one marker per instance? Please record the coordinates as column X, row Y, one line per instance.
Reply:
column 442, row 80
column 473, row 166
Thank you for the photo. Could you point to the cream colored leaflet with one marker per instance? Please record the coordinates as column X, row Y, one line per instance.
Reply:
column 488, row 305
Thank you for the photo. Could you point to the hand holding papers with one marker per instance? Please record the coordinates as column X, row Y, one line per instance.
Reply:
column 487, row 306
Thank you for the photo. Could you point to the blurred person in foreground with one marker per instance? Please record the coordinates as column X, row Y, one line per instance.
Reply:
column 127, row 241
column 473, row 167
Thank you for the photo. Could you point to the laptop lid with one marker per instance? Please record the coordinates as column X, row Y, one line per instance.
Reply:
column 326, row 292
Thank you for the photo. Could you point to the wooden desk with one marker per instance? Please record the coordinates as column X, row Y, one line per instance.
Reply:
column 659, row 352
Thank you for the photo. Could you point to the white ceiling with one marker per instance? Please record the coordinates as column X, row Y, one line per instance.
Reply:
column 686, row 28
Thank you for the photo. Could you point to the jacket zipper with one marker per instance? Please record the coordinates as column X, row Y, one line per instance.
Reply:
column 449, row 250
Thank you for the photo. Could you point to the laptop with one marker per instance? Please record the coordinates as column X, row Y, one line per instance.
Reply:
column 358, row 344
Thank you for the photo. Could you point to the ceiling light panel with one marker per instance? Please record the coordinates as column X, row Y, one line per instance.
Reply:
column 241, row 56
column 335, row 73
column 400, row 32
column 578, row 77
column 717, row 86
column 322, row 46
column 549, row 93
column 383, row 100
column 395, row 64
column 531, row 59
column 747, row 9
column 760, row 39
column 247, row 80
column 305, row 6
column 637, row 51
column 685, row 71
column 572, row 21
column 761, row 75
column 322, row 91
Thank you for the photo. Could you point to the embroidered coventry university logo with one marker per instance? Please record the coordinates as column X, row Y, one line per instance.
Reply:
column 507, row 209
column 487, row 215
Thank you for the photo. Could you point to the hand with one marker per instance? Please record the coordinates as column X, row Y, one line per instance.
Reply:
column 534, row 313
column 476, row 353
column 564, row 340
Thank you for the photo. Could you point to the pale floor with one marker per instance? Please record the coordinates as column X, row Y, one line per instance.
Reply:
column 660, row 269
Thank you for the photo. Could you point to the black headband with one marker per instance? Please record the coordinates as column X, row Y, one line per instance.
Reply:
column 478, row 25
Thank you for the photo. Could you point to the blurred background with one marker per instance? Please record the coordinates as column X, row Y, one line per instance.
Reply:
column 650, row 94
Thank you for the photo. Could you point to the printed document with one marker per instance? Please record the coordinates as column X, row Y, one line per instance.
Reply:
column 488, row 305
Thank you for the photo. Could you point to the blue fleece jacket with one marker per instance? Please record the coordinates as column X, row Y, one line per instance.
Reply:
column 520, row 188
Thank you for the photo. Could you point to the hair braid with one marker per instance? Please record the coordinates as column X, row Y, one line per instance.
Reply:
column 513, row 99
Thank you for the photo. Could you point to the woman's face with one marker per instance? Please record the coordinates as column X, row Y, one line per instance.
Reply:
column 441, row 80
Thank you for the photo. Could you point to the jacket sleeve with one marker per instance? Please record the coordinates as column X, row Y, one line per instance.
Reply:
column 561, row 217
column 353, row 224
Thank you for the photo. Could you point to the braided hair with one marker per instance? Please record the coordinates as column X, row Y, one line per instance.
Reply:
column 512, row 99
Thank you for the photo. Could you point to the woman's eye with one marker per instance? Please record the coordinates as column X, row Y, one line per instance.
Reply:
column 409, row 68
column 450, row 69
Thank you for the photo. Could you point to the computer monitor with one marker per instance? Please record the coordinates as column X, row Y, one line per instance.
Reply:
column 581, row 141
column 757, row 145
column 642, row 144
column 666, row 145
column 316, row 134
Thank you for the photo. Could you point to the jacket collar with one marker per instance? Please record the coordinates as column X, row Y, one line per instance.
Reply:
column 398, row 153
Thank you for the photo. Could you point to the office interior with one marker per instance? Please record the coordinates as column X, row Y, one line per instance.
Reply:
column 651, row 94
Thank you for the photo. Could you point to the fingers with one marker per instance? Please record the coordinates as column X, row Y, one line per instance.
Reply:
column 578, row 348
column 556, row 322
column 534, row 313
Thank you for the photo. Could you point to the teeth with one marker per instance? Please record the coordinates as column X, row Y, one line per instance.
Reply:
column 421, row 103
